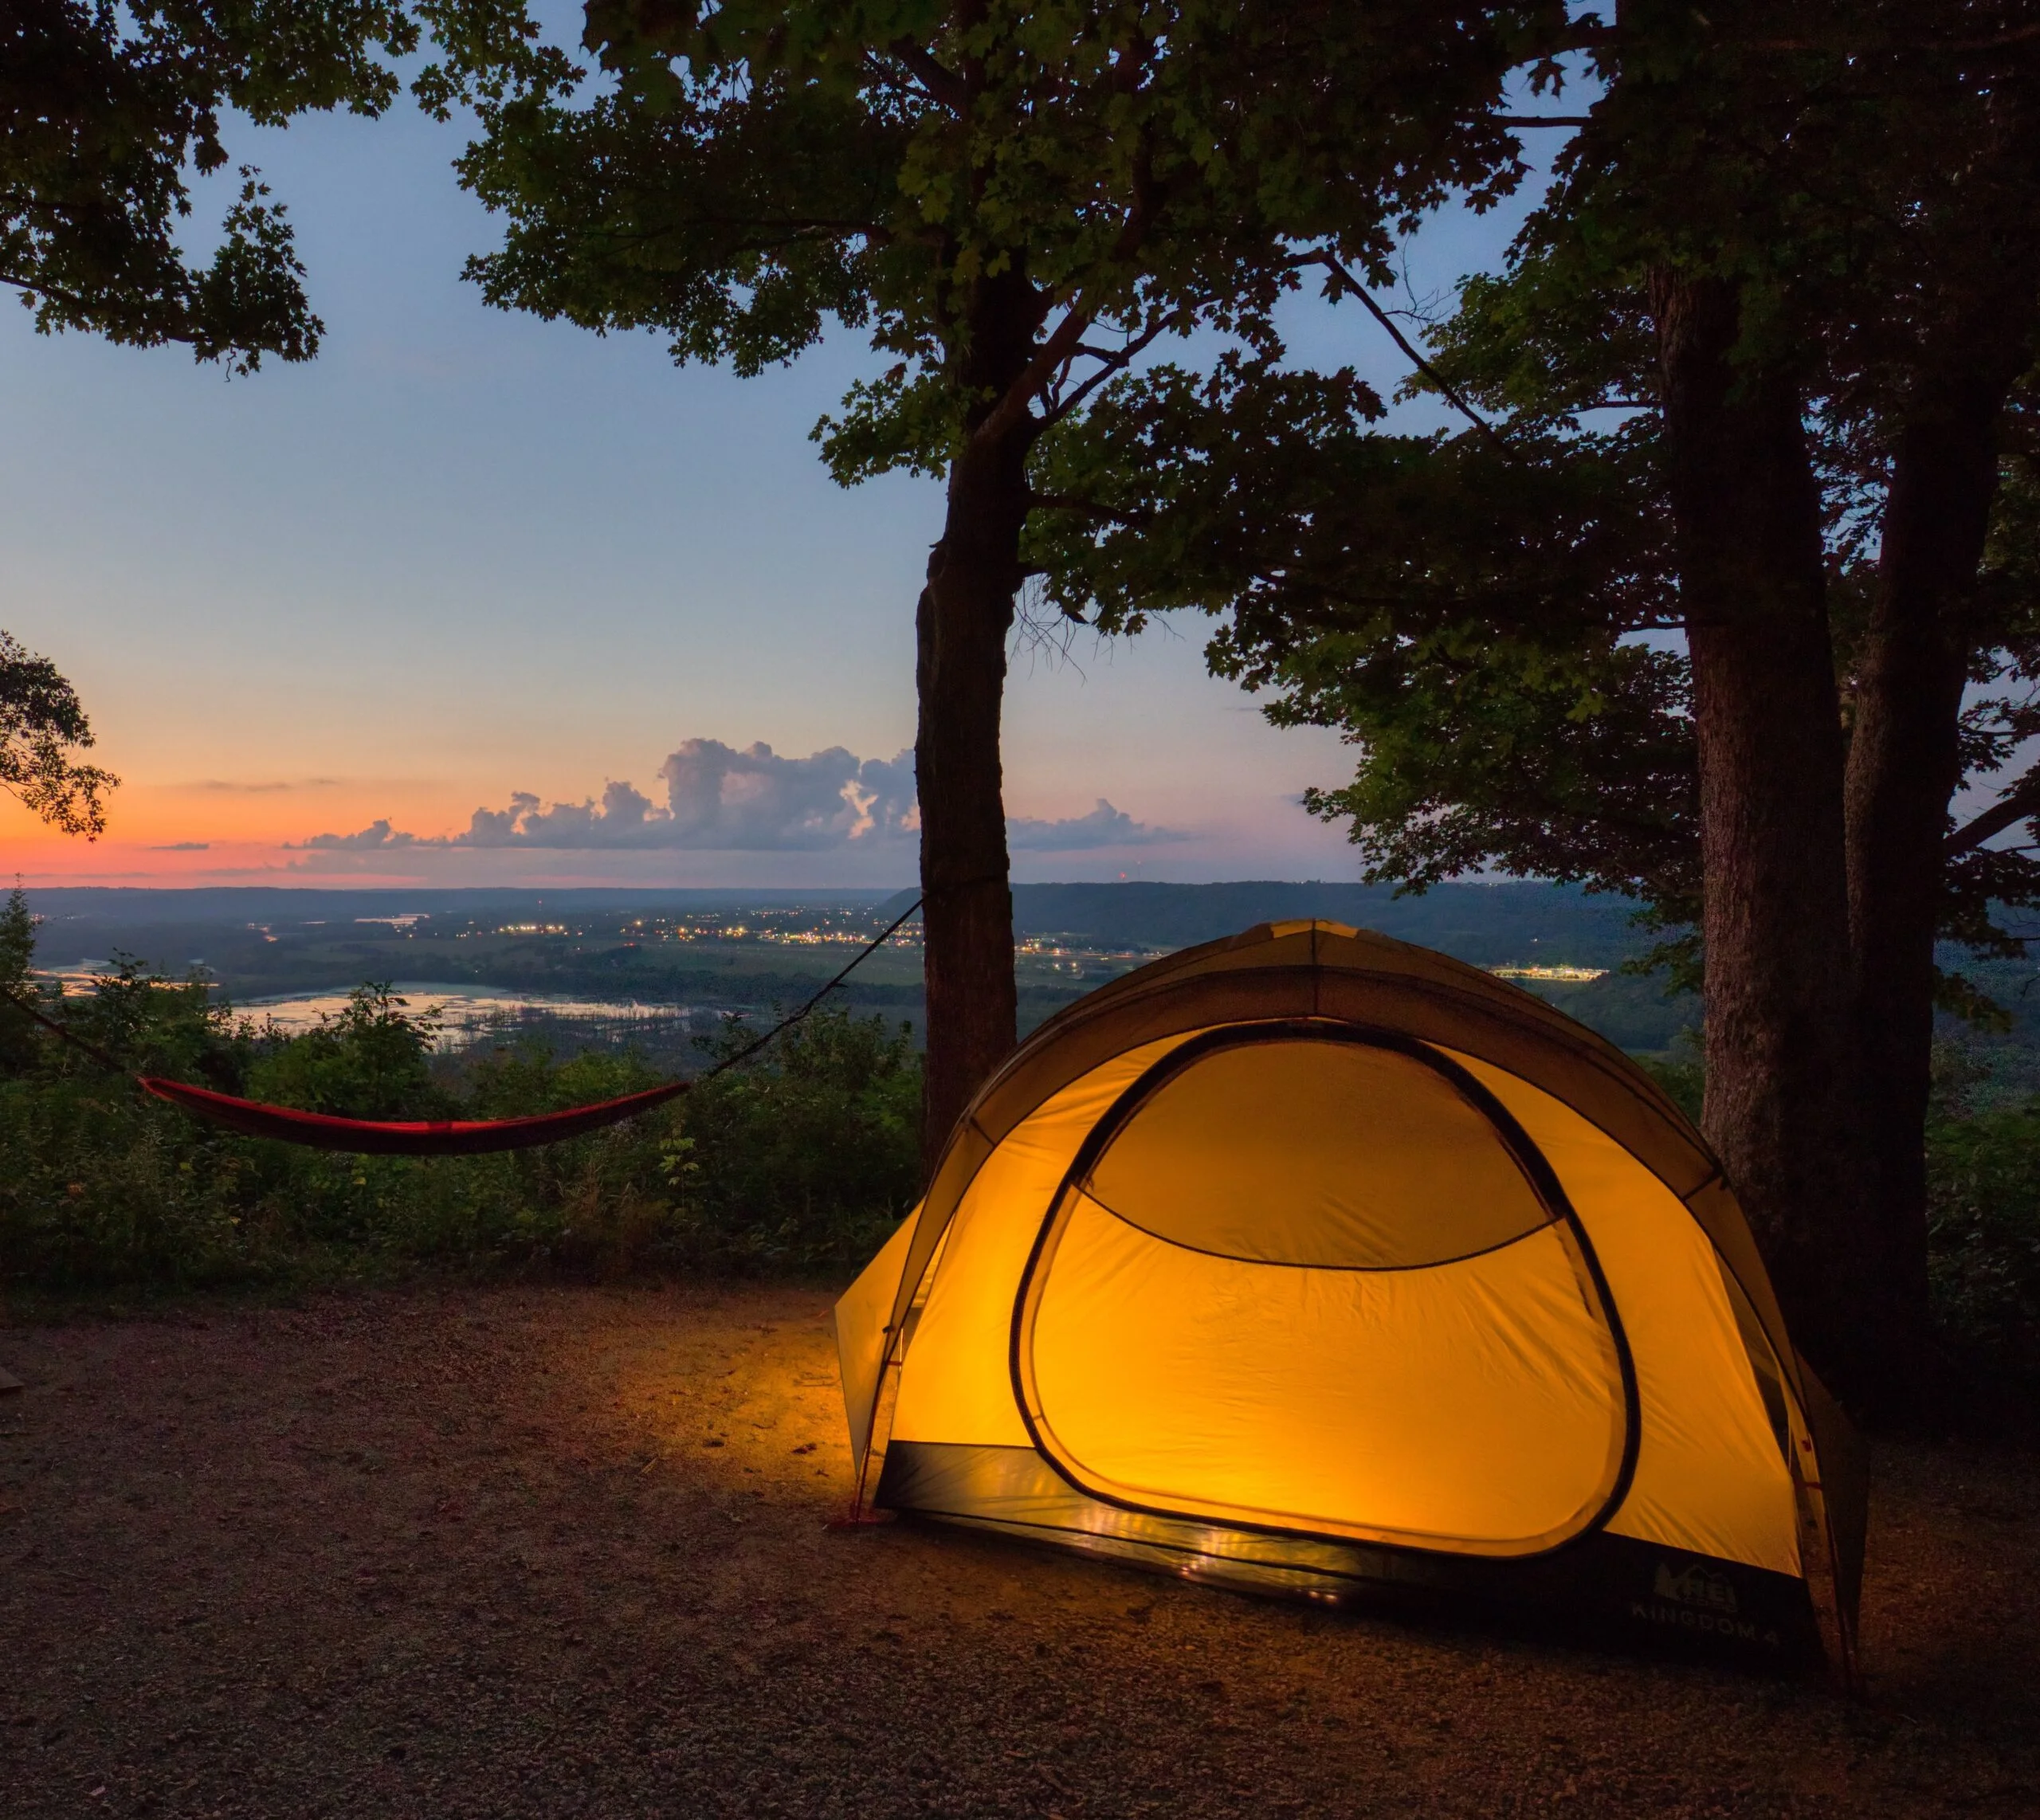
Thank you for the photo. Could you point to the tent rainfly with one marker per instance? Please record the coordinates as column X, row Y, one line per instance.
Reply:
column 1311, row 1261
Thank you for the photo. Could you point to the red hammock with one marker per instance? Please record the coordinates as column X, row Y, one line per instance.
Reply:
column 428, row 1137
column 420, row 1137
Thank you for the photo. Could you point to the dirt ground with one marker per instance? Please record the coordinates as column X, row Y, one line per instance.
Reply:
column 562, row 1552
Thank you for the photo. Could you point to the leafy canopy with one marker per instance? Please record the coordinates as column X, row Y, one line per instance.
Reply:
column 1483, row 614
column 1013, row 200
column 43, row 726
column 106, row 113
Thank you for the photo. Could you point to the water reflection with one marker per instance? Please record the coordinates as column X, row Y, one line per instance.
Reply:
column 469, row 1014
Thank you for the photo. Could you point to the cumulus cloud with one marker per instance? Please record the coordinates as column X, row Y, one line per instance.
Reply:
column 717, row 798
column 1105, row 826
column 723, row 799
column 377, row 836
column 720, row 797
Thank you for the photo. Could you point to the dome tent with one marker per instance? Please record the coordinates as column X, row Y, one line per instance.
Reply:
column 1312, row 1262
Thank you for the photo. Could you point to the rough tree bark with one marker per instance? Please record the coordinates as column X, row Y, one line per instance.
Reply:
column 965, row 615
column 1779, row 1107
column 1905, row 766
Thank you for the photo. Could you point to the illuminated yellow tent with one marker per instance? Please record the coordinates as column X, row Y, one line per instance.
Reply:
column 1313, row 1261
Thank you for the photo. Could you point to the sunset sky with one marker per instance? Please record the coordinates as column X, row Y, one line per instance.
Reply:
column 371, row 620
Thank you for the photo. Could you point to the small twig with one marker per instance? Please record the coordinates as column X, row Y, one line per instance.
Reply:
column 1331, row 263
column 1110, row 363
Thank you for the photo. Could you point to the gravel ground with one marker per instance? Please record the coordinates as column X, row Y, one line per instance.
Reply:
column 562, row 1552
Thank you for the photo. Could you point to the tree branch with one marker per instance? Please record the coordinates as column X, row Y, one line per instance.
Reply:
column 942, row 84
column 1998, row 41
column 1086, row 508
column 1061, row 345
column 1613, row 38
column 1110, row 362
column 142, row 320
column 1331, row 263
column 2017, row 804
column 1068, row 335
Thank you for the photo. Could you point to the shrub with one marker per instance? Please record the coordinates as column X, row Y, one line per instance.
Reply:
column 1983, row 1222
column 808, row 1161
column 1680, row 1074
column 371, row 1061
column 1983, row 1175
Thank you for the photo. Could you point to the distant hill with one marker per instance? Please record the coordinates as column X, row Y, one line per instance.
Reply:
column 266, row 941
column 223, row 925
column 1491, row 925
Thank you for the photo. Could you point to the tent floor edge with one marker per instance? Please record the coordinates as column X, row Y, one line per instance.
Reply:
column 1600, row 1589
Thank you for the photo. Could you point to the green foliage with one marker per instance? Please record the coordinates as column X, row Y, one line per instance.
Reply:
column 42, row 728
column 1476, row 612
column 171, row 1028
column 1984, row 1183
column 106, row 112
column 17, row 1035
column 811, row 1161
column 1466, row 612
column 1006, row 197
column 801, row 1159
column 1682, row 1075
column 372, row 1061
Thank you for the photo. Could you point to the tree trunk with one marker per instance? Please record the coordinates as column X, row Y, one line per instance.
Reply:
column 1904, row 765
column 965, row 614
column 1779, row 1106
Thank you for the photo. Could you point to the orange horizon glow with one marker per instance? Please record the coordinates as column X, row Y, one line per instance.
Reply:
column 223, row 832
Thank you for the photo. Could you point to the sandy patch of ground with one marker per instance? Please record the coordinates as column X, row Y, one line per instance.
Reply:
column 560, row 1552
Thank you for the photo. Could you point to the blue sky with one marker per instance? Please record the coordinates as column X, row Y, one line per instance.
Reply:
column 467, row 559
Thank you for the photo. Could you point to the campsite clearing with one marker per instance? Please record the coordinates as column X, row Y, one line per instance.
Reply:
column 561, row 1552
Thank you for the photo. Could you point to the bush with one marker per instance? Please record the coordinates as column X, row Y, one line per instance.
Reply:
column 372, row 1061
column 800, row 1160
column 1983, row 1189
column 809, row 1161
column 1680, row 1074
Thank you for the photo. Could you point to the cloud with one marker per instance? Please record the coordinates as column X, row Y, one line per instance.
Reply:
column 1105, row 826
column 717, row 798
column 184, row 847
column 721, row 799
column 375, row 837
column 218, row 786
